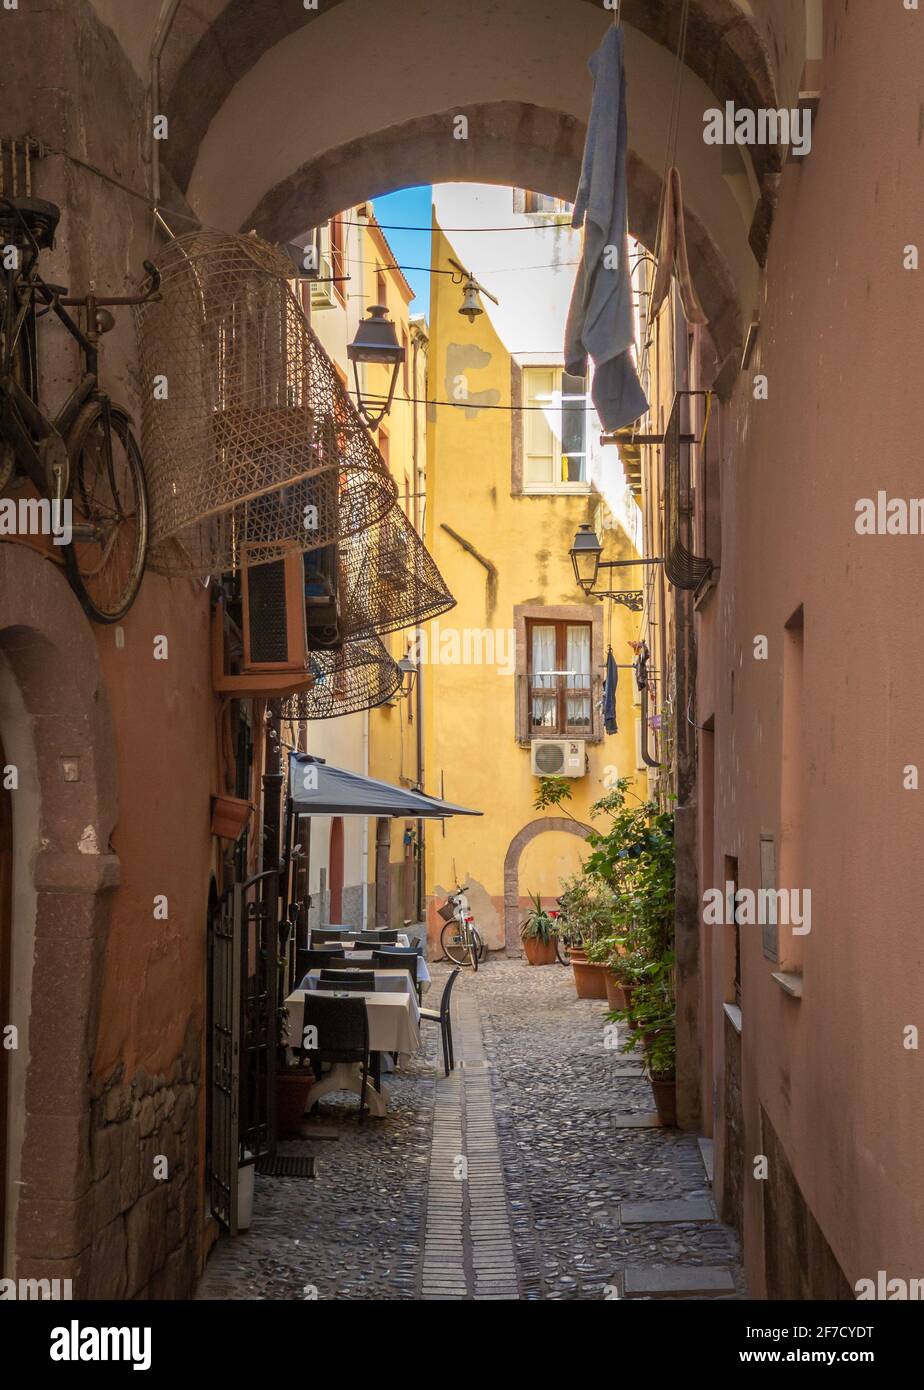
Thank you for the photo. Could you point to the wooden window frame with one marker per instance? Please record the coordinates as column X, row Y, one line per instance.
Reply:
column 335, row 242
column 527, row 403
column 562, row 692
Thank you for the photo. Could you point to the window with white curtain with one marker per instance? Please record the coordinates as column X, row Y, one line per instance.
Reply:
column 559, row 679
column 554, row 428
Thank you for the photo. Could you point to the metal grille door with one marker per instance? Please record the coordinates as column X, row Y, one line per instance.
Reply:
column 225, row 949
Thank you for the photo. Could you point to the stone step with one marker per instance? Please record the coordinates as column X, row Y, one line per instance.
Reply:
column 677, row 1281
column 658, row 1213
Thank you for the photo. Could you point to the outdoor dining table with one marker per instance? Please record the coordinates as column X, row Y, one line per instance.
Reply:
column 393, row 981
column 351, row 941
column 364, row 956
column 394, row 1026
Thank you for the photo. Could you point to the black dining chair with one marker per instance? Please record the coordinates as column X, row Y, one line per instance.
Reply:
column 371, row 937
column 322, row 936
column 347, row 960
column 342, row 1034
column 398, row 960
column 346, row 979
column 306, row 960
column 443, row 1018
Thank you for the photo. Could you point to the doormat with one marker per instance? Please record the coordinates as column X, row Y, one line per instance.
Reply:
column 285, row 1166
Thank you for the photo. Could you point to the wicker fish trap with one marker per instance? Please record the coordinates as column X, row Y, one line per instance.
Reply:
column 359, row 676
column 250, row 441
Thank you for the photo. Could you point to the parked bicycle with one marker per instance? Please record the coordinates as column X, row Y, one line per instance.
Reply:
column 460, row 940
column 566, row 937
column 86, row 456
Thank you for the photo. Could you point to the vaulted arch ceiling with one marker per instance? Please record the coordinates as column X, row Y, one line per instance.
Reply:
column 280, row 115
column 215, row 43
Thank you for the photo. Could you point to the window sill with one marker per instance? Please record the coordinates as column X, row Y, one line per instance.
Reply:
column 555, row 490
column 733, row 1014
column 789, row 982
column 561, row 738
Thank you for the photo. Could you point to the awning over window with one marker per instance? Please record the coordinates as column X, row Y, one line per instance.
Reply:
column 319, row 789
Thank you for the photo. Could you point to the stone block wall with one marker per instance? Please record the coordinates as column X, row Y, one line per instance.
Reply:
column 144, row 1142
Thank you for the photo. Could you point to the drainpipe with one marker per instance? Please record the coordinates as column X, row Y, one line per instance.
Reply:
column 419, row 501
column 161, row 34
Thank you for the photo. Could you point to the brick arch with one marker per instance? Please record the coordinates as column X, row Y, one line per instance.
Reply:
column 510, row 143
column 62, row 736
column 512, row 870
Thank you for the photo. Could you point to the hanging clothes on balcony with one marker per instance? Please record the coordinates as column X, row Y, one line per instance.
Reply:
column 609, row 693
column 601, row 321
column 672, row 258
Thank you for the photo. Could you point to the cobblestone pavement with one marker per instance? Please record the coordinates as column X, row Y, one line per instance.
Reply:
column 536, row 1108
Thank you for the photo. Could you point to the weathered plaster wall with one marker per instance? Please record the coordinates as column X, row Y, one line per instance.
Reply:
column 839, row 342
column 70, row 85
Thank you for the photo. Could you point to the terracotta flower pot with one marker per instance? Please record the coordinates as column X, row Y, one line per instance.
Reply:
column 665, row 1099
column 578, row 953
column 292, row 1089
column 589, row 979
column 229, row 816
column 539, row 952
column 615, row 993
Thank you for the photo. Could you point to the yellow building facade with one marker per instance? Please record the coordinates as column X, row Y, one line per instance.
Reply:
column 515, row 671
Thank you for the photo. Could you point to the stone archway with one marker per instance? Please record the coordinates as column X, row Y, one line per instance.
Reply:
column 511, row 143
column 512, row 870
column 57, row 729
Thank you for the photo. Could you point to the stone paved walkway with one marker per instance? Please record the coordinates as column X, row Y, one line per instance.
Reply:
column 531, row 1172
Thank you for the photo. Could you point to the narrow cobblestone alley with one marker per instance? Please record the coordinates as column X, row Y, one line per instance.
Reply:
column 570, row 1192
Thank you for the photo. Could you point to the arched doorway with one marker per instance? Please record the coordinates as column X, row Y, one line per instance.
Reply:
column 56, row 731
column 6, row 928
column 512, row 870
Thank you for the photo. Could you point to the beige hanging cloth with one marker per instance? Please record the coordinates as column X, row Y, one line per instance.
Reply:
column 673, row 256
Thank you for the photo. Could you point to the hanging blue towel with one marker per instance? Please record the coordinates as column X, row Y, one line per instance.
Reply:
column 609, row 693
column 600, row 319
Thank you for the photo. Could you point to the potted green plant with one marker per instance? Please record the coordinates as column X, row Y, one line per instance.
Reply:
column 538, row 934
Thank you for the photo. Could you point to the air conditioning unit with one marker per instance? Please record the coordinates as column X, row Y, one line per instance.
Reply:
column 557, row 757
column 291, row 608
column 322, row 285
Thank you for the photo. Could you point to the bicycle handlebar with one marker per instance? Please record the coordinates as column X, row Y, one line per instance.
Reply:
column 149, row 293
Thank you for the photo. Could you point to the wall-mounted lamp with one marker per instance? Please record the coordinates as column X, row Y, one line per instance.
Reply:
column 408, row 676
column 585, row 553
column 471, row 304
column 376, row 342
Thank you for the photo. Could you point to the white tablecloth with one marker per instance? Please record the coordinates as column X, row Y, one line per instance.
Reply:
column 363, row 955
column 387, row 981
column 394, row 1019
column 349, row 945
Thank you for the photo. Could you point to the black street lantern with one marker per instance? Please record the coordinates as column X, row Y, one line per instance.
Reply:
column 377, row 343
column 585, row 557
column 408, row 676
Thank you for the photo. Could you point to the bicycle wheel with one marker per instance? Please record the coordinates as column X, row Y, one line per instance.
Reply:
column 454, row 943
column 105, row 560
column 21, row 363
column 563, row 948
column 474, row 943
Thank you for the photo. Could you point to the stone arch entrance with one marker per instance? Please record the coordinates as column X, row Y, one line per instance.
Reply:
column 56, row 731
column 241, row 74
column 512, row 870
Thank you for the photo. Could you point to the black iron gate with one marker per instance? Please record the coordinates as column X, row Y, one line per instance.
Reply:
column 259, row 1018
column 225, row 941
column 243, row 1036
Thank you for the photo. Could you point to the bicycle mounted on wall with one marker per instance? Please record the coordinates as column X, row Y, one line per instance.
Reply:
column 85, row 461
